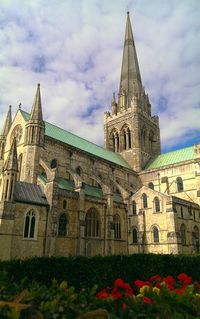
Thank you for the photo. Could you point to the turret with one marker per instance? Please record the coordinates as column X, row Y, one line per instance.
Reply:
column 34, row 141
column 35, row 126
column 10, row 173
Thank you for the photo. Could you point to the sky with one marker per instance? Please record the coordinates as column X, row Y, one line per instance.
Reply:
column 73, row 48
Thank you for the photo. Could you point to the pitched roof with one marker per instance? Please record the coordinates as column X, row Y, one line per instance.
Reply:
column 89, row 190
column 184, row 154
column 29, row 193
column 80, row 143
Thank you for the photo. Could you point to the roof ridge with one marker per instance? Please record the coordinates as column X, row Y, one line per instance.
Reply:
column 75, row 135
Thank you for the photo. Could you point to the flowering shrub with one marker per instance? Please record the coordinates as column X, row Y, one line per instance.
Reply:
column 159, row 297
column 156, row 298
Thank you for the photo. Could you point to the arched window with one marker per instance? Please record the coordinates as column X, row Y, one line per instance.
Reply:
column 183, row 234
column 64, row 204
column 78, row 170
column 181, row 212
column 155, row 235
column 29, row 225
column 134, row 236
column 129, row 137
column 144, row 200
column 151, row 185
column 143, row 138
column 134, row 207
column 124, row 137
column 117, row 226
column 62, row 227
column 179, row 182
column 53, row 163
column 156, row 205
column 92, row 224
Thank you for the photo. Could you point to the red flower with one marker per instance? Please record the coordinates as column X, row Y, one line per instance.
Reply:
column 147, row 300
column 140, row 283
column 180, row 291
column 119, row 283
column 158, row 285
column 169, row 280
column 155, row 278
column 185, row 279
column 102, row 294
column 116, row 294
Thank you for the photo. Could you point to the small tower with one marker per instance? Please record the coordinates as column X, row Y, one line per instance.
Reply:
column 4, row 133
column 137, row 131
column 10, row 173
column 34, row 141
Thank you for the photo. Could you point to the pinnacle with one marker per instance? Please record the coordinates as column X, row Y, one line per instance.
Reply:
column 11, row 162
column 8, row 122
column 36, row 113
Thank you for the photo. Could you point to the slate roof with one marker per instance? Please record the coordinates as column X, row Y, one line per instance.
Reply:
column 184, row 154
column 29, row 193
column 80, row 143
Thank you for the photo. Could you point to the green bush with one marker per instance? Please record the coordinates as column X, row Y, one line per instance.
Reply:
column 83, row 272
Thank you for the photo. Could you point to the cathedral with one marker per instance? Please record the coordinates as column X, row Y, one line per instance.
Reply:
column 61, row 195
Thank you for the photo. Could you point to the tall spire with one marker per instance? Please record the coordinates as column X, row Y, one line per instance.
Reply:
column 7, row 123
column 130, row 81
column 11, row 162
column 36, row 113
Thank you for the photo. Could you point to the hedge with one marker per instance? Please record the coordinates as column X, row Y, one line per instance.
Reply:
column 83, row 272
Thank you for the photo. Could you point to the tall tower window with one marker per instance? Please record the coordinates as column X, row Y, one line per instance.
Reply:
column 124, row 140
column 53, row 163
column 78, row 170
column 117, row 226
column 29, row 225
column 179, row 182
column 151, row 185
column 129, row 137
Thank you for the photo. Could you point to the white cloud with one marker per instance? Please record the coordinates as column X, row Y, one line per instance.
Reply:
column 74, row 49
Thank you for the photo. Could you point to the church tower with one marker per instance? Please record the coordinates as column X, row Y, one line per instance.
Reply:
column 130, row 129
column 10, row 173
column 34, row 141
column 4, row 133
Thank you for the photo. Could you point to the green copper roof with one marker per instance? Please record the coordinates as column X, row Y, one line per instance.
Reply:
column 184, row 154
column 80, row 143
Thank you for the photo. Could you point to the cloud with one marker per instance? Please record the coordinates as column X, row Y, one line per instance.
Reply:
column 74, row 49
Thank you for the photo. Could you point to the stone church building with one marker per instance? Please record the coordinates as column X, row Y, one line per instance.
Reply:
column 63, row 195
